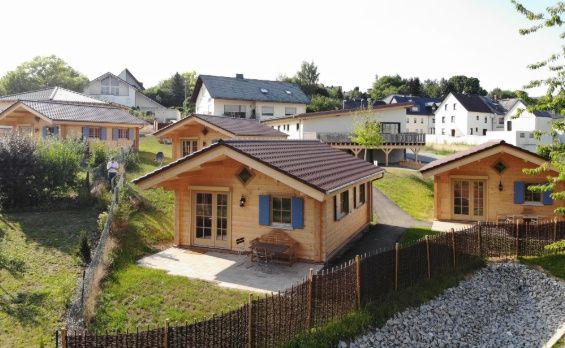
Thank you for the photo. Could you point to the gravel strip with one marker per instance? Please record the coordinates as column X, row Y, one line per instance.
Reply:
column 502, row 305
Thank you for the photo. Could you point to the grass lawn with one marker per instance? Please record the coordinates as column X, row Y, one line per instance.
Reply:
column 148, row 148
column 415, row 233
column 409, row 191
column 38, row 272
column 445, row 149
column 134, row 295
column 379, row 312
column 554, row 264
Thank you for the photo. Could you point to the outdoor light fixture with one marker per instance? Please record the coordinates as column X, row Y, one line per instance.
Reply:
column 242, row 201
column 500, row 187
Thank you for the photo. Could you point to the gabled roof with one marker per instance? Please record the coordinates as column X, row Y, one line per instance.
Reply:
column 231, row 125
column 312, row 163
column 473, row 102
column 357, row 103
column 77, row 112
column 461, row 156
column 235, row 88
column 103, row 76
column 425, row 105
column 53, row 94
column 341, row 112
column 126, row 75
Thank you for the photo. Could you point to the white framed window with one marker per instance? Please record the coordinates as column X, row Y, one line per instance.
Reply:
column 443, row 131
column 188, row 146
column 501, row 121
column 298, row 127
column 454, row 106
column 445, row 107
column 471, row 131
column 289, row 111
column 238, row 111
column 110, row 86
column 267, row 111
column 433, row 120
column 443, row 119
column 486, row 119
column 422, row 120
column 281, row 211
column 452, row 119
column 522, row 135
column 477, row 118
column 50, row 131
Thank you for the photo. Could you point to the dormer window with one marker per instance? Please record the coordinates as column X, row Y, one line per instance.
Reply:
column 264, row 90
column 110, row 86
column 288, row 92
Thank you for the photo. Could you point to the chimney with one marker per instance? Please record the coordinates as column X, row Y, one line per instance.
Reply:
column 239, row 76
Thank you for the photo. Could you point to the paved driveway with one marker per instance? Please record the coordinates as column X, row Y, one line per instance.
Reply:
column 391, row 223
column 228, row 270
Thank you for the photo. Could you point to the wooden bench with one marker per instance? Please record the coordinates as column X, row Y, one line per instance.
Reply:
column 276, row 238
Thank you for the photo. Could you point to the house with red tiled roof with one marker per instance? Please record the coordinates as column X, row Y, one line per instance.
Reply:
column 233, row 190
column 198, row 131
column 58, row 112
column 488, row 183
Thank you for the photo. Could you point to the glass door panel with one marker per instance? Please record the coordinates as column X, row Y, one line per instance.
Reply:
column 469, row 199
column 461, row 197
column 478, row 198
column 211, row 219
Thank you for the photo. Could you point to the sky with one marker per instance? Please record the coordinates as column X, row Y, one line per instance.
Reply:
column 350, row 41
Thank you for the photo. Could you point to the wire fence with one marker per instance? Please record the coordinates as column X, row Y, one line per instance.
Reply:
column 93, row 273
column 277, row 318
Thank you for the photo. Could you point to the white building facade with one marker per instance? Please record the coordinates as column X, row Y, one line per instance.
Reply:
column 247, row 98
column 126, row 90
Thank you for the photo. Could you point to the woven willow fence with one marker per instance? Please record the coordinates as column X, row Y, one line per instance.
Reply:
column 275, row 319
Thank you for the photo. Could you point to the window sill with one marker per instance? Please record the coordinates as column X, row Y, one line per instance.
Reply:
column 534, row 204
column 282, row 226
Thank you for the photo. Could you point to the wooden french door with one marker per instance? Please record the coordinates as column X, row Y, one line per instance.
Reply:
column 211, row 225
column 469, row 199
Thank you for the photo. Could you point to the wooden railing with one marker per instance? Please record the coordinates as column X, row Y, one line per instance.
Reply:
column 388, row 138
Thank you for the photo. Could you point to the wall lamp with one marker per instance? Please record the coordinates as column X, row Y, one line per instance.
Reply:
column 500, row 187
column 242, row 201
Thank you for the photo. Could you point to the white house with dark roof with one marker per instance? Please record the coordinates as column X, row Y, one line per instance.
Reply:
column 420, row 116
column 474, row 119
column 247, row 98
column 125, row 89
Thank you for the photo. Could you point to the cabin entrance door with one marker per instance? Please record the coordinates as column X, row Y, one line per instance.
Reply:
column 469, row 199
column 211, row 226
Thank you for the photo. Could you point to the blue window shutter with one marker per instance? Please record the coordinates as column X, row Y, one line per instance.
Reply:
column 103, row 133
column 131, row 134
column 264, row 210
column 44, row 132
column 115, row 134
column 519, row 192
column 85, row 132
column 547, row 198
column 297, row 206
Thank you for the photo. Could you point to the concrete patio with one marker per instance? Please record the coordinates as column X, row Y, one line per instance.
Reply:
column 228, row 270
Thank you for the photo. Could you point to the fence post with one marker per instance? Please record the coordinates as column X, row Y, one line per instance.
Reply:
column 517, row 238
column 452, row 231
column 555, row 229
column 358, row 280
column 479, row 239
column 166, row 336
column 428, row 256
column 397, row 252
column 310, row 293
column 64, row 337
column 250, row 322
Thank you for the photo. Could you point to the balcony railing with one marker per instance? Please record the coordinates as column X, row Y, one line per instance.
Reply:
column 388, row 138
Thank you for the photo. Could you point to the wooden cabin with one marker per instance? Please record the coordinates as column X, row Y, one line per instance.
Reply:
column 487, row 182
column 57, row 112
column 198, row 131
column 319, row 196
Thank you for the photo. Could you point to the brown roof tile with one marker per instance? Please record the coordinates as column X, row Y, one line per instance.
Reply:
column 236, row 126
column 312, row 162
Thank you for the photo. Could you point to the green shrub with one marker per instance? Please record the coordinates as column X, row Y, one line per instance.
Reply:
column 60, row 162
column 130, row 161
column 556, row 247
column 84, row 248
column 99, row 154
column 102, row 218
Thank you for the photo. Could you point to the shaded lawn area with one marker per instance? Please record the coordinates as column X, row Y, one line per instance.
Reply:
column 409, row 191
column 554, row 264
column 416, row 233
column 38, row 272
column 134, row 296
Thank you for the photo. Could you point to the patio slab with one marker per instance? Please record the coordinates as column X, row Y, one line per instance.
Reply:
column 446, row 226
column 228, row 270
